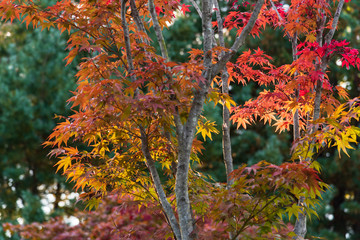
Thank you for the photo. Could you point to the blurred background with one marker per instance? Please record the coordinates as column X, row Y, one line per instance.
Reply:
column 34, row 86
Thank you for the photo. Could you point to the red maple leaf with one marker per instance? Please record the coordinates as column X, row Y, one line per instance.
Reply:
column 185, row 8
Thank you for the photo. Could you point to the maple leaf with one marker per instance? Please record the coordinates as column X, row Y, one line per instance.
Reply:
column 282, row 125
column 185, row 8
column 206, row 129
column 64, row 163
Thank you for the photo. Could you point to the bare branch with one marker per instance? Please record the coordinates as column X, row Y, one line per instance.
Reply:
column 157, row 29
column 127, row 39
column 329, row 36
column 220, row 24
column 324, row 62
column 208, row 32
column 320, row 29
column 169, row 213
column 196, row 7
column 186, row 138
column 226, row 141
column 277, row 12
column 137, row 19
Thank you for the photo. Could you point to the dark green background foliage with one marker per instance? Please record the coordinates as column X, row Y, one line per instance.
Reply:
column 34, row 85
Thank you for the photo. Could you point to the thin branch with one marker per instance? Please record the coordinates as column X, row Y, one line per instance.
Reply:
column 169, row 212
column 127, row 40
column 320, row 29
column 254, row 214
column 105, row 45
column 277, row 12
column 300, row 225
column 220, row 24
column 137, row 19
column 294, row 44
column 296, row 119
column 226, row 141
column 281, row 19
column 196, row 6
column 186, row 139
column 329, row 36
column 157, row 29
column 324, row 61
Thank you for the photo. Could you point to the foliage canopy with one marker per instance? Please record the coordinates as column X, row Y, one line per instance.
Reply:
column 137, row 112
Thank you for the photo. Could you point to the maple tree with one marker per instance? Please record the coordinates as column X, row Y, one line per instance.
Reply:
column 138, row 113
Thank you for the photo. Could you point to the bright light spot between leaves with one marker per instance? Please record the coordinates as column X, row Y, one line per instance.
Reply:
column 72, row 221
column 345, row 84
column 19, row 203
column 348, row 29
column 47, row 209
column 286, row 7
column 339, row 62
column 348, row 196
column 330, row 217
column 20, row 220
column 50, row 197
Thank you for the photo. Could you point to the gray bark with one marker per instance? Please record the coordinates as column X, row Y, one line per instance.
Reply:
column 196, row 6
column 137, row 19
column 297, row 91
column 226, row 140
column 127, row 40
column 300, row 228
column 188, row 133
column 169, row 213
column 324, row 61
column 187, row 137
column 157, row 29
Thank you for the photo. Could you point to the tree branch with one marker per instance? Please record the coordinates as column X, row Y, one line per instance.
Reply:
column 157, row 29
column 196, row 8
column 169, row 213
column 137, row 19
column 226, row 141
column 297, row 91
column 127, row 40
column 220, row 24
column 329, row 36
column 186, row 139
column 300, row 225
column 324, row 61
column 277, row 12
